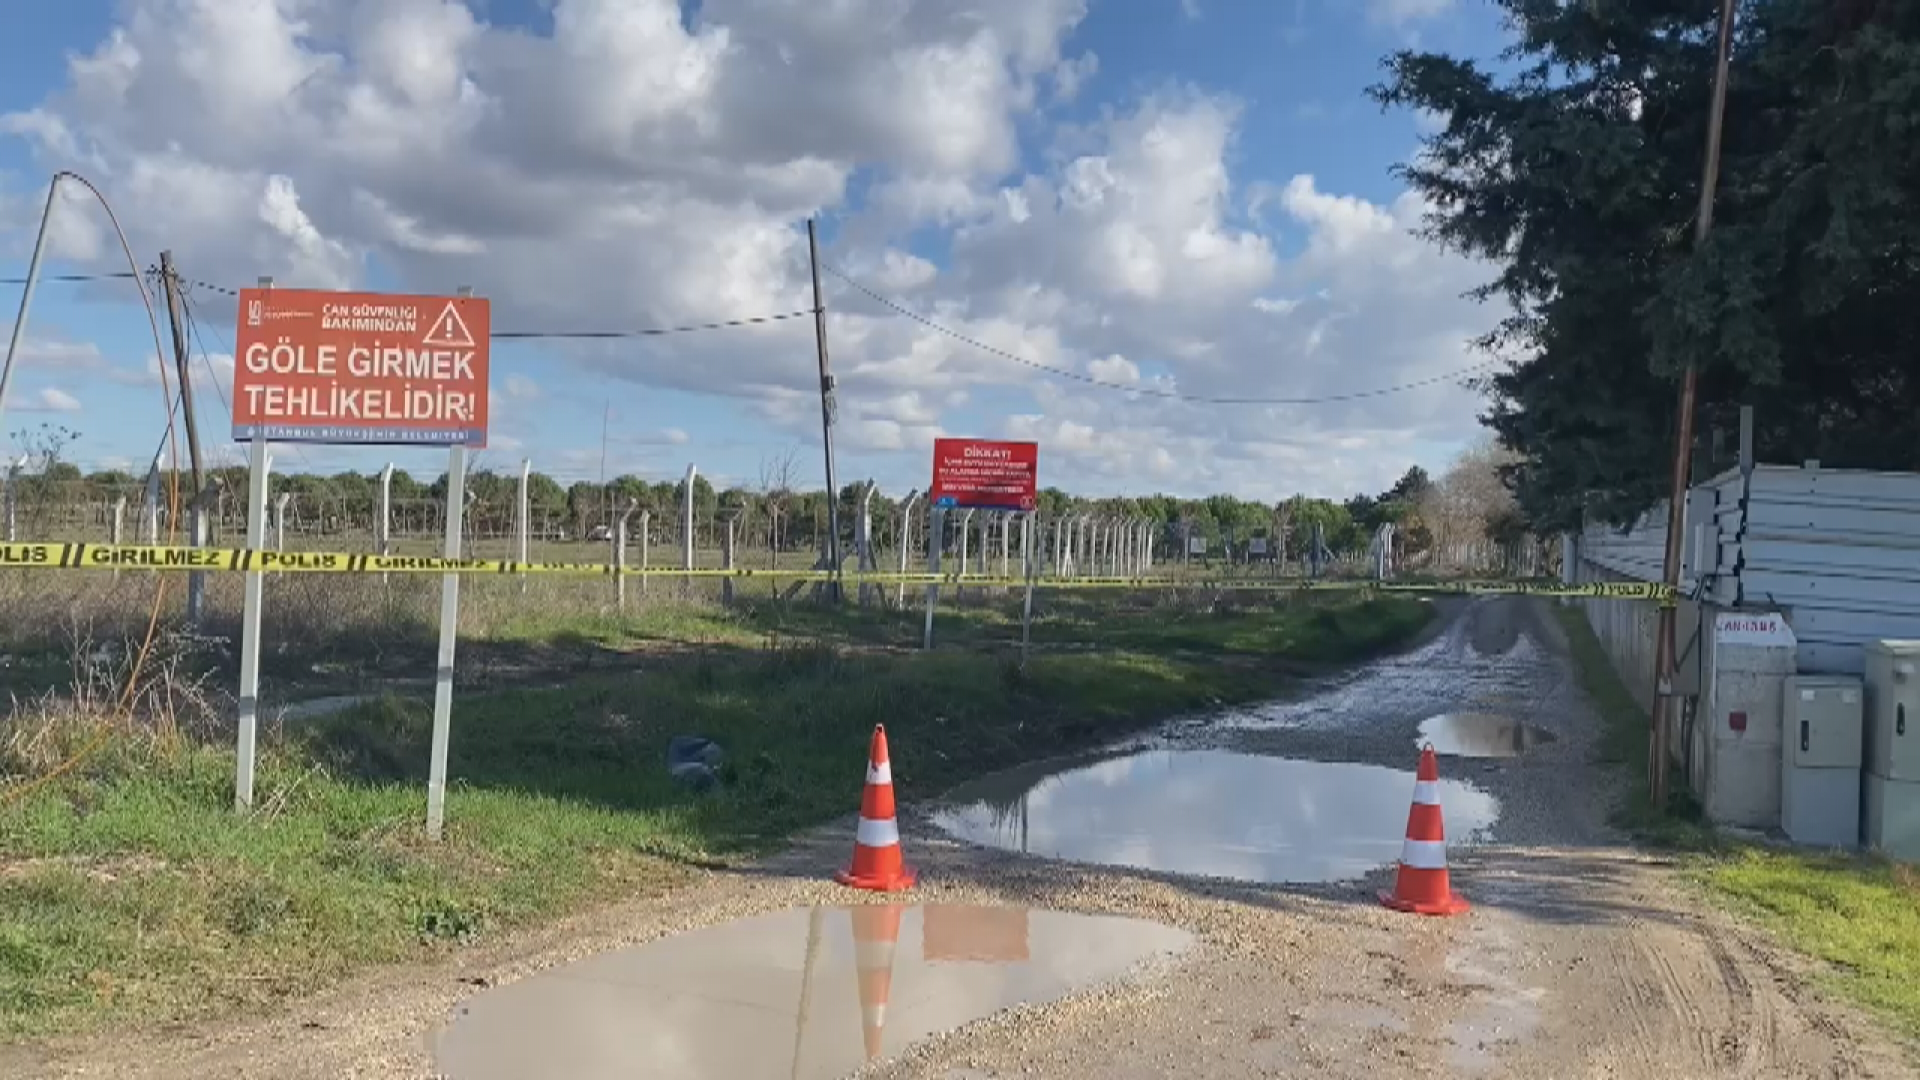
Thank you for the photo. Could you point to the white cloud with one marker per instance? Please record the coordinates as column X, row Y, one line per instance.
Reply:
column 54, row 399
column 630, row 168
column 902, row 272
column 1401, row 13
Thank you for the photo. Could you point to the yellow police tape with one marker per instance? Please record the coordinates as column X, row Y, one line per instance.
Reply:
column 140, row 557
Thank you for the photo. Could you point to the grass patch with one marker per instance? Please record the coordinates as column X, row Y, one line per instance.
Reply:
column 1623, row 742
column 130, row 893
column 1858, row 915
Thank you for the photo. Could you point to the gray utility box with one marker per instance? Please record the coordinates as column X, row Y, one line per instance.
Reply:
column 1893, row 817
column 1822, row 733
column 1893, row 709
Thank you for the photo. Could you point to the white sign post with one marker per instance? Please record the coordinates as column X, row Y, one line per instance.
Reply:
column 356, row 369
column 449, row 636
column 258, row 478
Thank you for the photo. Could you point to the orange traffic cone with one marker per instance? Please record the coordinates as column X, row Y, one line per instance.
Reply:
column 877, row 860
column 1421, row 887
column 876, row 928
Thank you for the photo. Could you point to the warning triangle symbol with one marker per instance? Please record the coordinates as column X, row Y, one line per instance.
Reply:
column 449, row 330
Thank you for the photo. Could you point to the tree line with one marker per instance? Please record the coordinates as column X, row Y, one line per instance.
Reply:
column 1465, row 505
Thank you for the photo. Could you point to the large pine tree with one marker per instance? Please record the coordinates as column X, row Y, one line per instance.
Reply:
column 1574, row 165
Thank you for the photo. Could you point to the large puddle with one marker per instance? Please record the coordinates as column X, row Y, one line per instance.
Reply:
column 1480, row 735
column 1213, row 813
column 809, row 994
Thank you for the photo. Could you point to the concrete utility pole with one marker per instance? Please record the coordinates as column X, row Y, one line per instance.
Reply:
column 832, row 550
column 1664, row 647
column 170, row 281
column 26, row 294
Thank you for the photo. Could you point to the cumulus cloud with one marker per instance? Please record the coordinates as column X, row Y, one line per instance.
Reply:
column 54, row 399
column 628, row 166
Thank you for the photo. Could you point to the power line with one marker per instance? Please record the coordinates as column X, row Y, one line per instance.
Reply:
column 1148, row 391
column 503, row 335
column 593, row 335
column 121, row 276
column 589, row 335
column 902, row 310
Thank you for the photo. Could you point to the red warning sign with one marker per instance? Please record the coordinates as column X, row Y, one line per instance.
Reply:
column 980, row 474
column 371, row 368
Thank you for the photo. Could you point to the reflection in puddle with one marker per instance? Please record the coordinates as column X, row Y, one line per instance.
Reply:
column 1213, row 813
column 808, row 993
column 1480, row 735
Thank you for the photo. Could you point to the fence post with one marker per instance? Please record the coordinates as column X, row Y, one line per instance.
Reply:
column 200, row 534
column 936, row 536
column 966, row 532
column 986, row 544
column 280, row 520
column 646, row 530
column 620, row 551
column 1026, row 607
column 863, row 542
column 150, row 508
column 686, row 535
column 117, row 524
column 383, row 514
column 9, row 500
column 732, row 519
column 906, row 544
column 522, row 527
column 1026, row 545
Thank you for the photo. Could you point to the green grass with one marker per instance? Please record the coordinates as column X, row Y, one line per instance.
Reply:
column 131, row 894
column 1624, row 741
column 1858, row 916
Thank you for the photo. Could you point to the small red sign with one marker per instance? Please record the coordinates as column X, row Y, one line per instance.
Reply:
column 981, row 474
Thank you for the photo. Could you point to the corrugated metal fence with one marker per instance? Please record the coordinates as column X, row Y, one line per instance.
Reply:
column 1837, row 550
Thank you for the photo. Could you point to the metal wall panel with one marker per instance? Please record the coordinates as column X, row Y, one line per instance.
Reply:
column 1838, row 550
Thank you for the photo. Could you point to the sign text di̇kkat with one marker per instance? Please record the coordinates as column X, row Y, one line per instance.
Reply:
column 334, row 367
column 985, row 475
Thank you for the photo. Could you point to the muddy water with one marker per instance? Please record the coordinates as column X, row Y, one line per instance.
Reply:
column 1211, row 812
column 1484, row 662
column 1480, row 735
column 808, row 993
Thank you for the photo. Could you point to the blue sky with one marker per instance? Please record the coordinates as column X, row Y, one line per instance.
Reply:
column 1290, row 74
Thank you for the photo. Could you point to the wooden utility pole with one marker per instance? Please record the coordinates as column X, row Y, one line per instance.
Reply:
column 1664, row 642
column 832, row 552
column 170, row 281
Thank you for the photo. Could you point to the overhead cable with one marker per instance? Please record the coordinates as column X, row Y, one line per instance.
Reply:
column 1143, row 389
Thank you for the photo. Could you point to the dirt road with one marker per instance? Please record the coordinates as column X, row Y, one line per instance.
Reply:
column 1581, row 959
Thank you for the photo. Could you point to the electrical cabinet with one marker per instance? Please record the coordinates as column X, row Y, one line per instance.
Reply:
column 1893, row 817
column 1824, row 716
column 1822, row 729
column 1893, row 709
